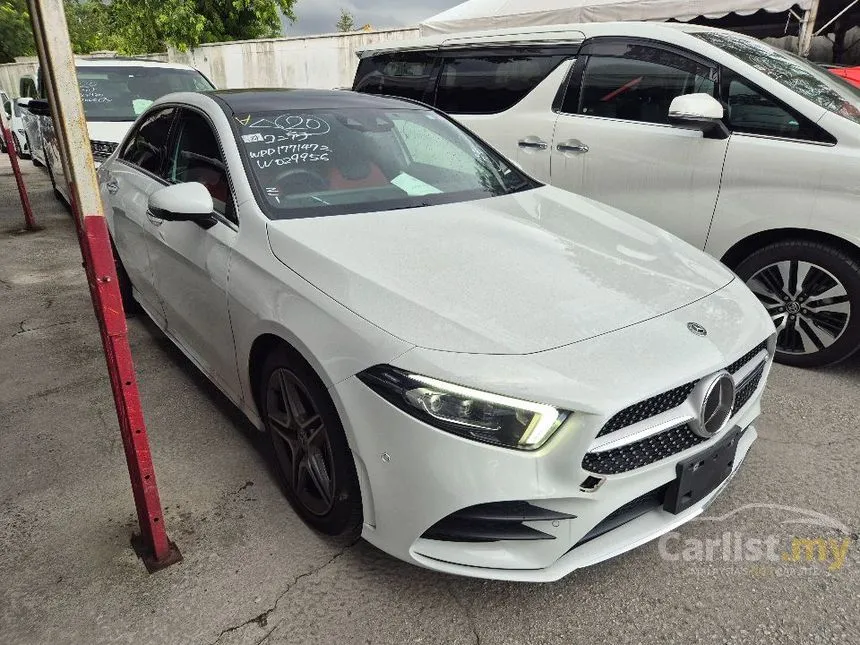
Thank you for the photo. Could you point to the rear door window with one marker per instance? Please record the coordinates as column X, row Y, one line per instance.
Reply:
column 489, row 83
column 405, row 74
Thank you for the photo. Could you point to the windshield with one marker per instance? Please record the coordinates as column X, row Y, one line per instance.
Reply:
column 123, row 93
column 347, row 160
column 811, row 82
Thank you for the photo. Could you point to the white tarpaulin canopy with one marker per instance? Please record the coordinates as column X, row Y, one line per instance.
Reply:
column 498, row 14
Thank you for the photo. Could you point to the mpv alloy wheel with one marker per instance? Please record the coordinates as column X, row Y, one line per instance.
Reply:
column 811, row 292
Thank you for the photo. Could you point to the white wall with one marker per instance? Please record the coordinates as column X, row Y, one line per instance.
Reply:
column 323, row 62
column 11, row 72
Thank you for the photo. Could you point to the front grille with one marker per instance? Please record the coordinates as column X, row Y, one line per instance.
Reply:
column 648, row 408
column 641, row 453
column 670, row 399
column 102, row 149
column 746, row 358
column 748, row 387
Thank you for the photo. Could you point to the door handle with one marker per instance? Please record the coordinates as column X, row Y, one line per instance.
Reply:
column 572, row 145
column 112, row 186
column 532, row 143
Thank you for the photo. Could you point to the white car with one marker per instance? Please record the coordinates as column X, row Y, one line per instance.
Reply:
column 15, row 109
column 741, row 149
column 114, row 92
column 481, row 374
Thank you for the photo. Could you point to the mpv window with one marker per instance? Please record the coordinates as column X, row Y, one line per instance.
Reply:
column 491, row 83
column 813, row 83
column 752, row 111
column 405, row 74
column 337, row 161
column 146, row 148
column 636, row 84
column 123, row 93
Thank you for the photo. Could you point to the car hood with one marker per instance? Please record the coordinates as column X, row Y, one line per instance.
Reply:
column 111, row 131
column 507, row 275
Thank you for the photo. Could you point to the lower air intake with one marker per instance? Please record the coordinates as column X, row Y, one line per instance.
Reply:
column 494, row 521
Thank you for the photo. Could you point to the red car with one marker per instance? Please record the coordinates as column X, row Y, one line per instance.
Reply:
column 850, row 74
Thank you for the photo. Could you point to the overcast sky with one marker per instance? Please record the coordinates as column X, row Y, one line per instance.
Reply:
column 320, row 16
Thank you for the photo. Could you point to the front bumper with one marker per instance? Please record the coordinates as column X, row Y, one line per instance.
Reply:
column 414, row 475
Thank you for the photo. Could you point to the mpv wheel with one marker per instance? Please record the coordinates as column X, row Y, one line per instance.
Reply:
column 812, row 293
column 309, row 445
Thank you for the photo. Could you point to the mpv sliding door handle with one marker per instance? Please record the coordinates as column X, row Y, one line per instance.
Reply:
column 573, row 145
column 532, row 143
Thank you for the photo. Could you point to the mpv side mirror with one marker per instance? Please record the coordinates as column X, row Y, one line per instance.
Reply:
column 189, row 202
column 699, row 112
column 39, row 107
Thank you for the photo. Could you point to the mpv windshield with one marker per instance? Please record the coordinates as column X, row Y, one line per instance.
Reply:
column 811, row 82
column 334, row 161
column 123, row 93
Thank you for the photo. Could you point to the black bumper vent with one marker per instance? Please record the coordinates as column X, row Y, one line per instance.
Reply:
column 630, row 511
column 493, row 522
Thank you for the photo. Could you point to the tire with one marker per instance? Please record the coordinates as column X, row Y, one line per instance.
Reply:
column 129, row 304
column 812, row 292
column 17, row 143
column 57, row 193
column 290, row 397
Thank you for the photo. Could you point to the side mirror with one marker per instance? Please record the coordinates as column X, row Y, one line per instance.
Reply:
column 189, row 202
column 39, row 107
column 699, row 112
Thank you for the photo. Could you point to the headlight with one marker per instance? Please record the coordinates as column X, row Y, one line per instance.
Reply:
column 482, row 416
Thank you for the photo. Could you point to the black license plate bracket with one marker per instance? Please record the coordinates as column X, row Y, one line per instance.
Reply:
column 699, row 476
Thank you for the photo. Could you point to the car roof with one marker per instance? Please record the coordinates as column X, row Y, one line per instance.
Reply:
column 127, row 62
column 265, row 100
column 546, row 34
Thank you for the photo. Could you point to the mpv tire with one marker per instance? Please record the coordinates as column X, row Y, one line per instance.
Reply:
column 18, row 152
column 309, row 445
column 812, row 292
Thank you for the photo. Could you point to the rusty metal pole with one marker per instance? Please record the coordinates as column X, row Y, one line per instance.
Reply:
column 6, row 133
column 807, row 29
column 58, row 70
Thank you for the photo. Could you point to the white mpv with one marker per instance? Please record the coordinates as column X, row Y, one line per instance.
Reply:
column 741, row 149
column 480, row 374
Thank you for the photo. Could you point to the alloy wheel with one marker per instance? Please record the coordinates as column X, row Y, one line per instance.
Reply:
column 808, row 304
column 301, row 441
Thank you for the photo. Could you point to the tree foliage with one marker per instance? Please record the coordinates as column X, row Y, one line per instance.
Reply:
column 16, row 36
column 146, row 26
column 346, row 22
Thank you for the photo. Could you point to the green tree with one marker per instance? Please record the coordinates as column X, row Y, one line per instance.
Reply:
column 146, row 26
column 16, row 35
column 346, row 22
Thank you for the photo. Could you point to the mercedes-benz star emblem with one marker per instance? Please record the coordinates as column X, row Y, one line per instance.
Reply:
column 697, row 329
column 714, row 398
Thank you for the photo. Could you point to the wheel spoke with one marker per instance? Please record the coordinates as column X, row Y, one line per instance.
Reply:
column 294, row 400
column 761, row 288
column 785, row 271
column 320, row 479
column 299, row 473
column 315, row 429
column 840, row 307
column 810, row 337
column 802, row 272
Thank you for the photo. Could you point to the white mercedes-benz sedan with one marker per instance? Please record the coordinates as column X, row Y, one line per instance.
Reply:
column 477, row 373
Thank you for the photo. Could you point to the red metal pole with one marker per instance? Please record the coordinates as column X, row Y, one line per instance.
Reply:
column 58, row 69
column 29, row 220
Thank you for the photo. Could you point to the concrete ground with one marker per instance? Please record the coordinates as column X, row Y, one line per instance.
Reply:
column 252, row 572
